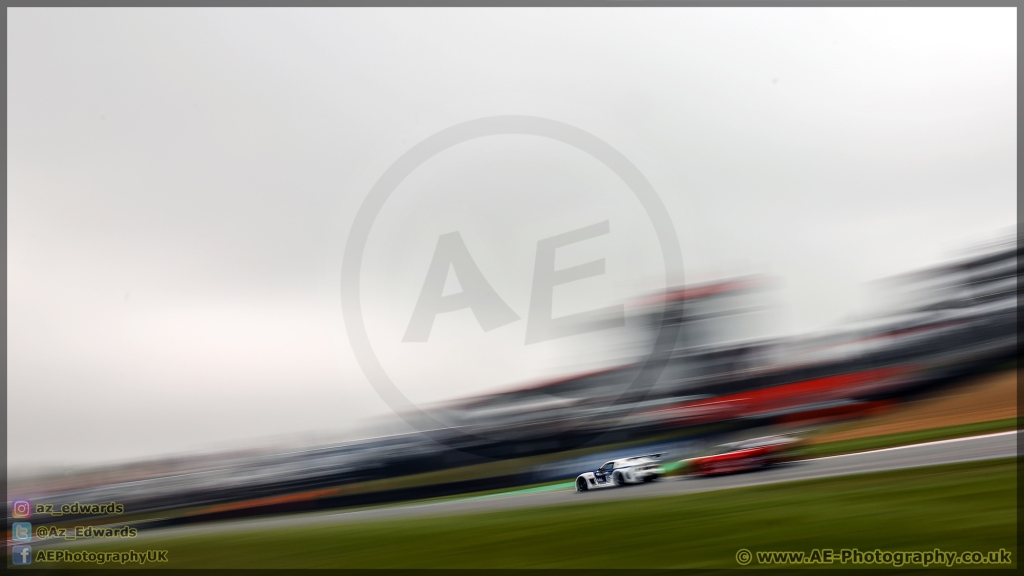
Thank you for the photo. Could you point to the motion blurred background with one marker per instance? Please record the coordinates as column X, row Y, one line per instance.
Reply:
column 181, row 185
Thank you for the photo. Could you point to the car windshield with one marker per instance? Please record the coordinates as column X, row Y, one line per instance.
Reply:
column 608, row 466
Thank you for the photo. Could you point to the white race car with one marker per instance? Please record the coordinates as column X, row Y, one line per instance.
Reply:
column 635, row 470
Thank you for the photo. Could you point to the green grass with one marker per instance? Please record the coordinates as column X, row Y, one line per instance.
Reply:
column 526, row 488
column 903, row 438
column 959, row 507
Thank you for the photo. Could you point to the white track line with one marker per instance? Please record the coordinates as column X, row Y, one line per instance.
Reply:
column 963, row 439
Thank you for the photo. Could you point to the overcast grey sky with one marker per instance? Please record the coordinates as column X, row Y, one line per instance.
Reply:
column 181, row 184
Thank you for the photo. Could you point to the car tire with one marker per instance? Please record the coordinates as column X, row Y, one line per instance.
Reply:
column 581, row 485
column 619, row 479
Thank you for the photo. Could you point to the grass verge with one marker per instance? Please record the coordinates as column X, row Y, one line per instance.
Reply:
column 904, row 438
column 958, row 507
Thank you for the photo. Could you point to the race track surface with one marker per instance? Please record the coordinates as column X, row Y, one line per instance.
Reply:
column 990, row 446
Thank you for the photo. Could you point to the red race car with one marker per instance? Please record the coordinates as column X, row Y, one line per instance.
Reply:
column 738, row 456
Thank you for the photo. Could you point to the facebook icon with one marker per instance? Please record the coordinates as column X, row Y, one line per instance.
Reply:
column 21, row 555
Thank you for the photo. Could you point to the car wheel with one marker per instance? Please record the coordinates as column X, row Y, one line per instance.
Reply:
column 581, row 485
column 619, row 480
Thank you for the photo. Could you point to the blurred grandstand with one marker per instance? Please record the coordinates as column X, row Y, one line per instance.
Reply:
column 934, row 326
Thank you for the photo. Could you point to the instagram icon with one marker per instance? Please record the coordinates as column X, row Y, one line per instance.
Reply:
column 21, row 509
